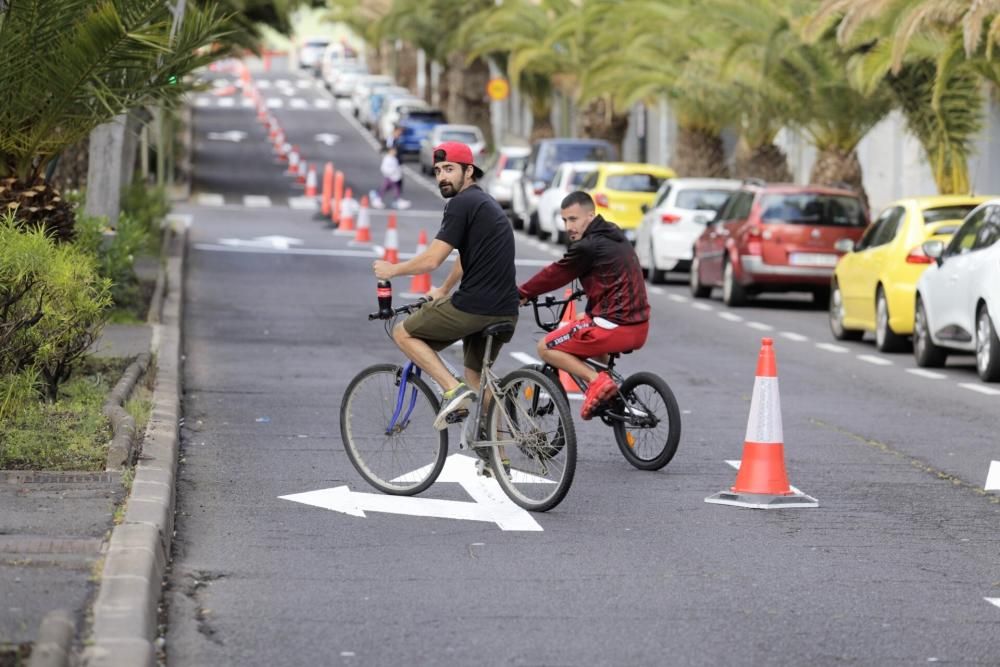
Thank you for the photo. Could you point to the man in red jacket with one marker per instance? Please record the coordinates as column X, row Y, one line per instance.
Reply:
column 617, row 313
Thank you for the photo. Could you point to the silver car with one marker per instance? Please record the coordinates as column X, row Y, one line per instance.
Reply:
column 503, row 171
column 469, row 135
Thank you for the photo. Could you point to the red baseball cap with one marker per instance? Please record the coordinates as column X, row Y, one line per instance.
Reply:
column 456, row 151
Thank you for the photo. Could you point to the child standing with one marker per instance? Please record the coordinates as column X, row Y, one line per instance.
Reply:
column 392, row 179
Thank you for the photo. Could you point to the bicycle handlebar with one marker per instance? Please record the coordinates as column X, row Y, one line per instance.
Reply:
column 407, row 308
column 551, row 302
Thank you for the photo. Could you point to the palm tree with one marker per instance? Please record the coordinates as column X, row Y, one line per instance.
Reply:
column 67, row 66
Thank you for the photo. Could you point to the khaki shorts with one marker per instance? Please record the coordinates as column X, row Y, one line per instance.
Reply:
column 440, row 324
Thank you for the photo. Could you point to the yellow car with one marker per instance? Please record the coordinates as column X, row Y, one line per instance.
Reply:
column 620, row 189
column 874, row 284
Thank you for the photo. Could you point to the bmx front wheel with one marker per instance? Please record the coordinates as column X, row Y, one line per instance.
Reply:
column 648, row 422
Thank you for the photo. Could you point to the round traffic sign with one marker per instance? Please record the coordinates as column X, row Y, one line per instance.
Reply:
column 498, row 89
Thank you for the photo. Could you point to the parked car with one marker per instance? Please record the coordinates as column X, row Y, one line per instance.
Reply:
column 311, row 52
column 379, row 94
column 363, row 90
column 503, row 172
column 958, row 297
column 664, row 240
column 417, row 127
column 394, row 109
column 875, row 282
column 569, row 176
column 337, row 57
column 344, row 81
column 467, row 134
column 776, row 238
column 621, row 189
column 333, row 72
column 545, row 157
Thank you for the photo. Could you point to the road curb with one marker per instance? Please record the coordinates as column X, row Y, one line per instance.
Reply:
column 125, row 610
column 125, row 437
column 55, row 636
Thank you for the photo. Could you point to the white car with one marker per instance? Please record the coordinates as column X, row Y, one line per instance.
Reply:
column 333, row 71
column 343, row 82
column 958, row 297
column 368, row 113
column 394, row 110
column 569, row 177
column 311, row 52
column 363, row 89
column 504, row 172
column 665, row 237
column 470, row 135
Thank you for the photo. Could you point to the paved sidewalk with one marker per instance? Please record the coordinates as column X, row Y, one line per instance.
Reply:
column 53, row 528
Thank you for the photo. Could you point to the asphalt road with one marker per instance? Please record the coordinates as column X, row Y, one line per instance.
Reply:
column 896, row 566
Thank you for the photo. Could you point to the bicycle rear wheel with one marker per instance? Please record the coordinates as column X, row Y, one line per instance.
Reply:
column 532, row 418
column 407, row 458
column 646, row 421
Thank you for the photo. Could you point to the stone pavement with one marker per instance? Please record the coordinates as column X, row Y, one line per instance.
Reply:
column 53, row 528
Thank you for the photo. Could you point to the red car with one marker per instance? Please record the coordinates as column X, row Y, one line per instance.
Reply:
column 776, row 238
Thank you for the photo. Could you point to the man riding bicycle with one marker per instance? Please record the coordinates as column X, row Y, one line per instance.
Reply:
column 617, row 312
column 478, row 228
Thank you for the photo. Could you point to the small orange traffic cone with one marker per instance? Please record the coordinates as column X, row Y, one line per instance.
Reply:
column 311, row 182
column 363, row 232
column 391, row 253
column 327, row 189
column 338, row 196
column 565, row 379
column 300, row 178
column 762, row 482
column 293, row 162
column 421, row 283
column 347, row 208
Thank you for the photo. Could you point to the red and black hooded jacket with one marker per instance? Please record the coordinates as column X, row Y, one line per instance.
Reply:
column 607, row 266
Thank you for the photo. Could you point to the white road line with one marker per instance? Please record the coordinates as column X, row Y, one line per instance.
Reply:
column 323, row 104
column 369, row 139
column 830, row 347
column 274, row 103
column 298, row 103
column 993, row 477
column 993, row 601
column 760, row 326
column 203, row 101
column 924, row 373
column 305, row 83
column 256, row 201
column 221, row 83
column 678, row 298
column 701, row 306
column 264, row 83
column 247, row 104
column 791, row 335
column 732, row 317
column 283, row 83
column 303, row 203
column 374, row 251
column 227, row 102
column 982, row 389
column 208, row 199
column 525, row 358
column 657, row 290
column 872, row 359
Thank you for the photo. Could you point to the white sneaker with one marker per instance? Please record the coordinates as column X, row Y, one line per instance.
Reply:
column 457, row 399
column 378, row 203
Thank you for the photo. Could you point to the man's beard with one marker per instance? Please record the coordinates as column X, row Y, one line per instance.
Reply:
column 452, row 190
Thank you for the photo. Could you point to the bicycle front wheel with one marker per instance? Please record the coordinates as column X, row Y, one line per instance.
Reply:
column 402, row 456
column 536, row 461
column 647, row 421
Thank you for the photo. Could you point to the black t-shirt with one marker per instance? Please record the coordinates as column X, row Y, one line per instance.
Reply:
column 476, row 225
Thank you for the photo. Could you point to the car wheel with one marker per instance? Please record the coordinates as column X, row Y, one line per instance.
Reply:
column 925, row 352
column 987, row 347
column 836, row 311
column 533, row 224
column 698, row 290
column 821, row 297
column 733, row 293
column 656, row 276
column 886, row 340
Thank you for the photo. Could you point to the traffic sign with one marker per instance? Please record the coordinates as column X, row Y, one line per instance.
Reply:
column 498, row 89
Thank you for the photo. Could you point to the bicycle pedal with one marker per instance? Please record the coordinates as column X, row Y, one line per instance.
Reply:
column 457, row 416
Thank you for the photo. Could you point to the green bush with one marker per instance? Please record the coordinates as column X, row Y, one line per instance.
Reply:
column 53, row 304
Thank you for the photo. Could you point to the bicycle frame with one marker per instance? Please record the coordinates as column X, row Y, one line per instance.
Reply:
column 404, row 377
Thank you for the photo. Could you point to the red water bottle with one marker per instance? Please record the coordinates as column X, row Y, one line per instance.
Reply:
column 384, row 291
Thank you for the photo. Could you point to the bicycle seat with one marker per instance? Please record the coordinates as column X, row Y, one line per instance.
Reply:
column 502, row 330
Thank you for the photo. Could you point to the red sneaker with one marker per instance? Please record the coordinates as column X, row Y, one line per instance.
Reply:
column 599, row 391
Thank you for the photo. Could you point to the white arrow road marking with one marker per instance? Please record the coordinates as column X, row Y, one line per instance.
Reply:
column 979, row 388
column 736, row 464
column 993, row 601
column 993, row 477
column 327, row 138
column 872, row 359
column 830, row 347
column 790, row 335
column 490, row 504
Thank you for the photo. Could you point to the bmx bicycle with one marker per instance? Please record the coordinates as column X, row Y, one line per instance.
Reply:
column 522, row 421
column 643, row 415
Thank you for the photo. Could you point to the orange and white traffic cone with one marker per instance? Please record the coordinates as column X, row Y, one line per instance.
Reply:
column 762, row 482
column 391, row 253
column 420, row 284
column 565, row 379
column 363, row 233
column 311, row 182
column 293, row 162
column 327, row 190
column 300, row 178
column 338, row 198
column 347, row 211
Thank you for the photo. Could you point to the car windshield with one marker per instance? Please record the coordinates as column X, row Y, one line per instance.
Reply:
column 702, row 200
column 943, row 213
column 458, row 135
column 634, row 182
column 516, row 163
column 426, row 116
column 579, row 177
column 809, row 208
column 554, row 155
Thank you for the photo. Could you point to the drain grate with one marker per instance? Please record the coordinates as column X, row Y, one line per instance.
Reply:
column 39, row 477
column 46, row 544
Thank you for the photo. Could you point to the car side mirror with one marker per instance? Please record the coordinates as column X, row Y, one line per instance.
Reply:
column 844, row 245
column 934, row 250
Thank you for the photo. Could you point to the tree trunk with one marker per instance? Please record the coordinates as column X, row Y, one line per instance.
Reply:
column 767, row 162
column 598, row 120
column 71, row 170
column 836, row 168
column 467, row 100
column 406, row 66
column 541, row 123
column 699, row 152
